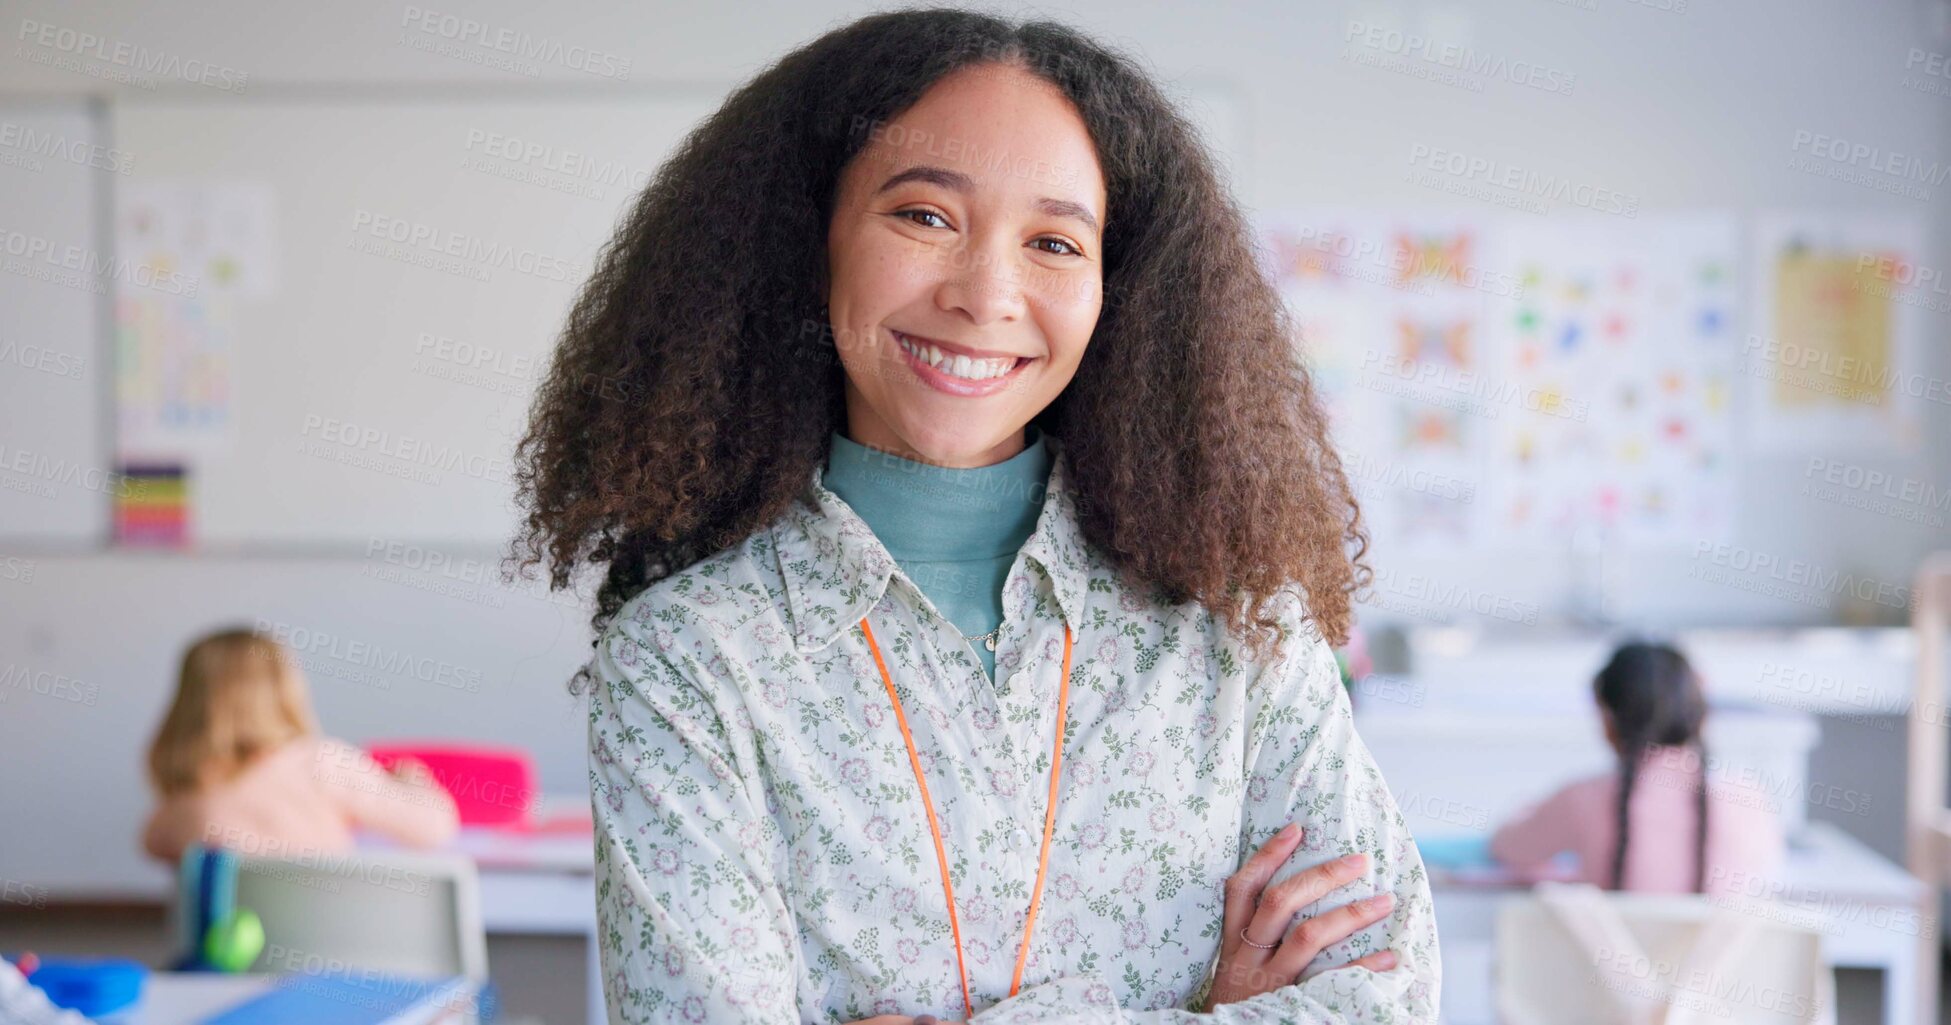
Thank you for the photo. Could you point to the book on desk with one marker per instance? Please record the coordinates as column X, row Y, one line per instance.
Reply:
column 359, row 999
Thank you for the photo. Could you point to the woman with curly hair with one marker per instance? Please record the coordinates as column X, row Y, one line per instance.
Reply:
column 973, row 550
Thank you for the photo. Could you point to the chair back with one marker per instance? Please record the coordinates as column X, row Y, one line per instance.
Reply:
column 1571, row 952
column 404, row 914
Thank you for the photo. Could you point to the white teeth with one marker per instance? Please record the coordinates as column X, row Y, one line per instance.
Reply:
column 957, row 366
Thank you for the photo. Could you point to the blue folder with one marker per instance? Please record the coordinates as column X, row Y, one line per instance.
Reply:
column 355, row 999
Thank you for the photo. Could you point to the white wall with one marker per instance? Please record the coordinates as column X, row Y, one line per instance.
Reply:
column 1682, row 109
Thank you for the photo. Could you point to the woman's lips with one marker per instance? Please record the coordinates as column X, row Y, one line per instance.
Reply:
column 952, row 385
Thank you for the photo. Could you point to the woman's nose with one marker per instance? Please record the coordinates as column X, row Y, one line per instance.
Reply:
column 984, row 281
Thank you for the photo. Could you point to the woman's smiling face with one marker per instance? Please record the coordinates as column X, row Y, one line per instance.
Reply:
column 965, row 266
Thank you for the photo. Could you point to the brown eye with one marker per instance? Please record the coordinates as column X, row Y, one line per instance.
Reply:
column 923, row 213
column 1072, row 250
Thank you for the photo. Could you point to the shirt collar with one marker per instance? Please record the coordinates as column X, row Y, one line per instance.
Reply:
column 835, row 569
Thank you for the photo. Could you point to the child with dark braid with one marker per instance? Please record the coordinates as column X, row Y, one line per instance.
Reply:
column 1650, row 825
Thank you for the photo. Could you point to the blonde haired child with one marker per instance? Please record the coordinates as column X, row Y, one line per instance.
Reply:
column 239, row 763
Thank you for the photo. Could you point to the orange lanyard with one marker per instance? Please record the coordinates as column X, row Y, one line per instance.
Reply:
column 934, row 826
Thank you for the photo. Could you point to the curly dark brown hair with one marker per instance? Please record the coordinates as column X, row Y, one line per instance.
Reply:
column 696, row 383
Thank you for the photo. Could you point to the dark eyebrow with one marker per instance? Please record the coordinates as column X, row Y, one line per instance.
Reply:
column 953, row 180
column 956, row 181
column 1066, row 208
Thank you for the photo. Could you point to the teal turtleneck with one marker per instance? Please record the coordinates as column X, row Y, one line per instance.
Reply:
column 954, row 532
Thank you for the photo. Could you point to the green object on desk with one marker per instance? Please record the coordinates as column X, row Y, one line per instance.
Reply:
column 233, row 944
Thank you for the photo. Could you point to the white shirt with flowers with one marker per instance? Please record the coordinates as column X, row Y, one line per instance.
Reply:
column 762, row 850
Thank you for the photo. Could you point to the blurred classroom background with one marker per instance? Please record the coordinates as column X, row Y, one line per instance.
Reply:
column 1632, row 314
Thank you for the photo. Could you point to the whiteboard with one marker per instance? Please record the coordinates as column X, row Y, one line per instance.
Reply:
column 56, row 477
column 402, row 271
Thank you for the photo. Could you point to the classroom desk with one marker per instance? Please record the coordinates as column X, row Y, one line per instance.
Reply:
column 1867, row 909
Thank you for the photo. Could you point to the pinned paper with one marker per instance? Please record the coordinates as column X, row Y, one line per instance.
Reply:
column 1836, row 359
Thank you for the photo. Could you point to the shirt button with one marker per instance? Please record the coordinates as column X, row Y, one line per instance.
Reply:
column 1020, row 838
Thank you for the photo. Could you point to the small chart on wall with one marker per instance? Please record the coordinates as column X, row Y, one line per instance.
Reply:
column 1457, row 352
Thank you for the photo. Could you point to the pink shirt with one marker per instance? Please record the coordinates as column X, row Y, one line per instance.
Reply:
column 1745, row 844
column 304, row 798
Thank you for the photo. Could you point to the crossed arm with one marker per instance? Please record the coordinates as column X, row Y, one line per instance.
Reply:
column 694, row 928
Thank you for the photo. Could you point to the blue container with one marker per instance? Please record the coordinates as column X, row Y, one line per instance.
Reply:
column 94, row 987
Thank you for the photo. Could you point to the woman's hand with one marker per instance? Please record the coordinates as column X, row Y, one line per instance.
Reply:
column 1266, row 915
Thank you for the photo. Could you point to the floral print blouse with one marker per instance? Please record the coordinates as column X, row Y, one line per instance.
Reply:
column 763, row 855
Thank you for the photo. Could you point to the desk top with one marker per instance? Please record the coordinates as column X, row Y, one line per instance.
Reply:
column 561, row 840
column 1823, row 863
column 500, row 850
column 1824, row 859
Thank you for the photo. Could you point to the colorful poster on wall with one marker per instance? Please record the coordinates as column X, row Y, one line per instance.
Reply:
column 222, row 235
column 194, row 251
column 1615, row 374
column 1834, row 358
column 174, row 362
column 1513, row 379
